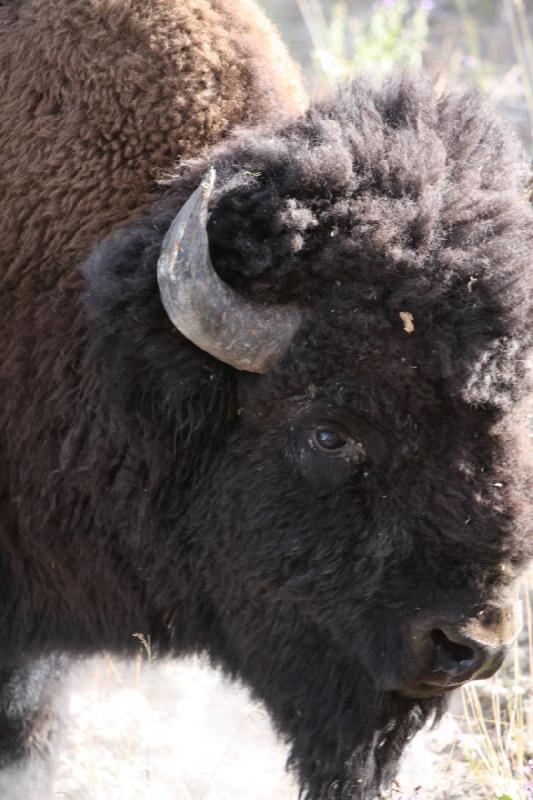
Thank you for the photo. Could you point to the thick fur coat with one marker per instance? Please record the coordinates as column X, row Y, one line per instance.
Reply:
column 148, row 488
column 100, row 97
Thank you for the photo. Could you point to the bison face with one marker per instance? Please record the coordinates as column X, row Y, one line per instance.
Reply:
column 336, row 510
column 361, row 540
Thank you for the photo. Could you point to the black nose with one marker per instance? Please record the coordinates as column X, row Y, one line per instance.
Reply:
column 444, row 653
column 455, row 658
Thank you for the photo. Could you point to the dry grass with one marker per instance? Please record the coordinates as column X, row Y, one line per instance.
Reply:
column 454, row 40
column 523, row 49
column 498, row 718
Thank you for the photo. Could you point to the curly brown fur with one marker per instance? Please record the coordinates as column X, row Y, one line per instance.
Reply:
column 148, row 488
column 97, row 97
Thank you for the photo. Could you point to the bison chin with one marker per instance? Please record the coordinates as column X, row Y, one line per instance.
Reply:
column 346, row 735
column 351, row 750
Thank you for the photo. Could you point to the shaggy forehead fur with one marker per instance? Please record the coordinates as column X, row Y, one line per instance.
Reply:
column 402, row 210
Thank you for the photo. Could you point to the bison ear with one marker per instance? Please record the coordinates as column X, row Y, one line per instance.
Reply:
column 207, row 311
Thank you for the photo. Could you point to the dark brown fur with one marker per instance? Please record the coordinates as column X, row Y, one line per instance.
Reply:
column 98, row 100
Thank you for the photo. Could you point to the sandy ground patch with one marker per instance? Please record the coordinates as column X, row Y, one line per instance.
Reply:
column 179, row 731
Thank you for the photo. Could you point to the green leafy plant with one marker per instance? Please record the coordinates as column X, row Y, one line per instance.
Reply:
column 393, row 34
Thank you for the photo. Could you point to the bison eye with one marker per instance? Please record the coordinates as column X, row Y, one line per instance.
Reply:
column 329, row 440
column 328, row 452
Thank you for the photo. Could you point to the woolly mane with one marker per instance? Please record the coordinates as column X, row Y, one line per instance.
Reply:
column 415, row 202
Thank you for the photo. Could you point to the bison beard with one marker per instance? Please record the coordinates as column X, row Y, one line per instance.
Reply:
column 332, row 530
column 346, row 736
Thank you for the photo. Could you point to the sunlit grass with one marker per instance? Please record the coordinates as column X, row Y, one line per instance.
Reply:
column 377, row 38
column 395, row 33
column 523, row 48
column 498, row 723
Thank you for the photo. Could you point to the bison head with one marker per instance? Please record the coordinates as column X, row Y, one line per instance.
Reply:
column 332, row 502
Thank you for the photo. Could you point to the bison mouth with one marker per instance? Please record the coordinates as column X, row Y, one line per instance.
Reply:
column 422, row 691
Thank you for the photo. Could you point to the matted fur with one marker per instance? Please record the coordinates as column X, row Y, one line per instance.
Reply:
column 147, row 488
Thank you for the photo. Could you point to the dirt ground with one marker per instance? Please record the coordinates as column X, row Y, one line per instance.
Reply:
column 179, row 731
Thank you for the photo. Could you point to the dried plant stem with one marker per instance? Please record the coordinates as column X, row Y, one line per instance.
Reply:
column 523, row 47
column 470, row 29
column 315, row 20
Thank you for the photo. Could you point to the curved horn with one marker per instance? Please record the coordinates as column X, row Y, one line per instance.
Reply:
column 204, row 309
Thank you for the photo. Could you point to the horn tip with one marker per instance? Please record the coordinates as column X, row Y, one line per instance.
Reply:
column 208, row 182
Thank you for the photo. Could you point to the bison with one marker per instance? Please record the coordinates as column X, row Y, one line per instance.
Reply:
column 274, row 416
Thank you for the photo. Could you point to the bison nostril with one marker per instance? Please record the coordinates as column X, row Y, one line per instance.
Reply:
column 451, row 656
column 446, row 654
